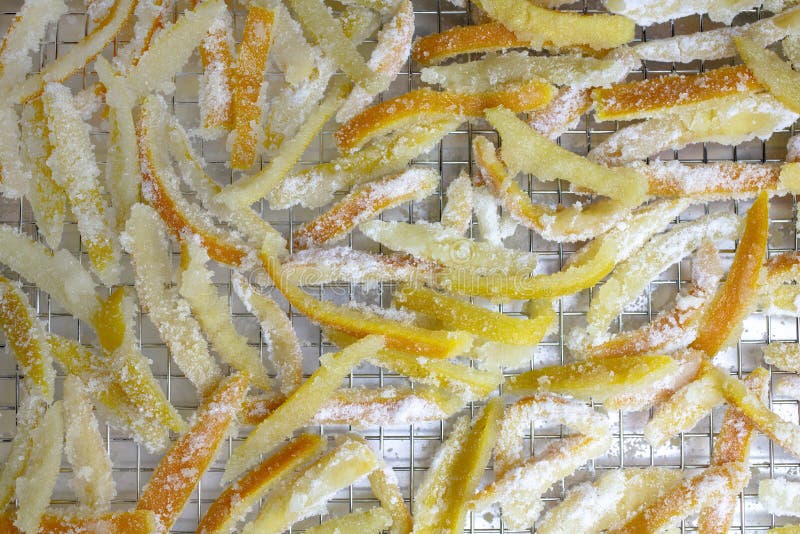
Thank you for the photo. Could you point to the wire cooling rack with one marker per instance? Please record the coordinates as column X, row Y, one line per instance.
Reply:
column 409, row 449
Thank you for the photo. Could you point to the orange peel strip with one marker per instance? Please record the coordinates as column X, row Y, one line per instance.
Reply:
column 738, row 293
column 182, row 467
column 732, row 445
column 425, row 105
column 647, row 98
column 769, row 69
column 300, row 406
column 488, row 37
column 372, row 521
column 23, row 36
column 441, row 500
column 562, row 113
column 29, row 416
column 363, row 203
column 554, row 224
column 234, row 502
column 779, row 496
column 129, row 521
column 457, row 211
column 784, row 356
column 216, row 53
column 248, row 81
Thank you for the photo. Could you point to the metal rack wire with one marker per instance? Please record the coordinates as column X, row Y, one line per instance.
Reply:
column 408, row 449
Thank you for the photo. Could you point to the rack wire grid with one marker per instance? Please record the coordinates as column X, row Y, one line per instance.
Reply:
column 409, row 449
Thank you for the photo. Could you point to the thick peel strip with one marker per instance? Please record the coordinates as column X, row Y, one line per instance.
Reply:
column 372, row 521
column 769, row 69
column 129, row 521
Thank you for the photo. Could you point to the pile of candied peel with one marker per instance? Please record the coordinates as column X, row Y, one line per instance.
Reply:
column 532, row 70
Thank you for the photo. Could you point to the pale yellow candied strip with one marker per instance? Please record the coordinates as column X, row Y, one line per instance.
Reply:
column 48, row 199
column 776, row 74
column 543, row 26
column 686, row 498
column 214, row 93
column 647, row 12
column 440, row 503
column 457, row 211
column 788, row 529
column 171, row 48
column 145, row 239
column 520, row 483
column 433, row 242
column 526, row 150
column 562, row 113
column 24, row 36
column 83, row 446
column 76, row 56
column 149, row 18
column 75, row 169
column 290, row 51
column 729, row 121
column 633, row 276
column 781, row 300
column 34, row 486
column 214, row 315
column 780, row 496
column 685, row 407
column 573, row 70
column 58, row 273
column 284, row 347
column 29, row 417
column 15, row 178
column 300, row 406
column 458, row 314
column 372, row 521
column 594, row 507
column 302, row 495
column 785, row 356
column 316, row 186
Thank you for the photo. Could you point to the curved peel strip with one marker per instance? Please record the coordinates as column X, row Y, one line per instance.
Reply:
column 27, row 31
column 129, row 521
column 487, row 37
column 562, row 113
column 372, row 521
column 647, row 12
column 769, row 69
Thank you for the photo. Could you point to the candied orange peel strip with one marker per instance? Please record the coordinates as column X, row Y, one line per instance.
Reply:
column 487, row 37
column 371, row 521
column 215, row 93
column 769, row 69
column 424, row 105
column 128, row 521
column 363, row 203
column 182, row 467
column 29, row 417
column 653, row 96
column 248, row 79
column 779, row 496
column 441, row 500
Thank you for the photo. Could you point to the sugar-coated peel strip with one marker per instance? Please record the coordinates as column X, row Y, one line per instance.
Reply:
column 424, row 105
column 526, row 150
column 129, row 521
column 782, row 300
column 371, row 521
column 300, row 406
column 15, row 178
column 738, row 294
column 631, row 277
column 555, row 224
column 161, row 189
column 649, row 12
column 297, row 498
column 388, row 57
column 432, row 343
column 587, row 267
column 343, row 264
column 215, row 91
column 591, row 508
column 434, row 242
column 788, row 529
column 149, row 19
column 730, row 121
column 74, row 168
column 487, row 37
column 685, row 407
column 654, row 96
column 58, row 273
column 788, row 386
column 77, row 56
column 48, row 199
column 184, row 464
column 459, row 314
column 573, row 70
column 237, row 499
column 780, row 496
column 171, row 48
column 364, row 203
column 315, row 186
column 543, row 26
column 29, row 416
column 290, row 51
column 83, row 445
column 562, row 113
column 363, row 407
column 25, row 337
column 252, row 188
column 597, row 380
column 440, row 504
column 249, row 85
column 732, row 445
column 769, row 69
column 35, row 485
column 520, row 483
column 671, row 328
column 469, row 383
column 284, row 347
column 145, row 239
column 785, row 356
column 687, row 497
column 457, row 211
column 26, row 32
column 214, row 315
